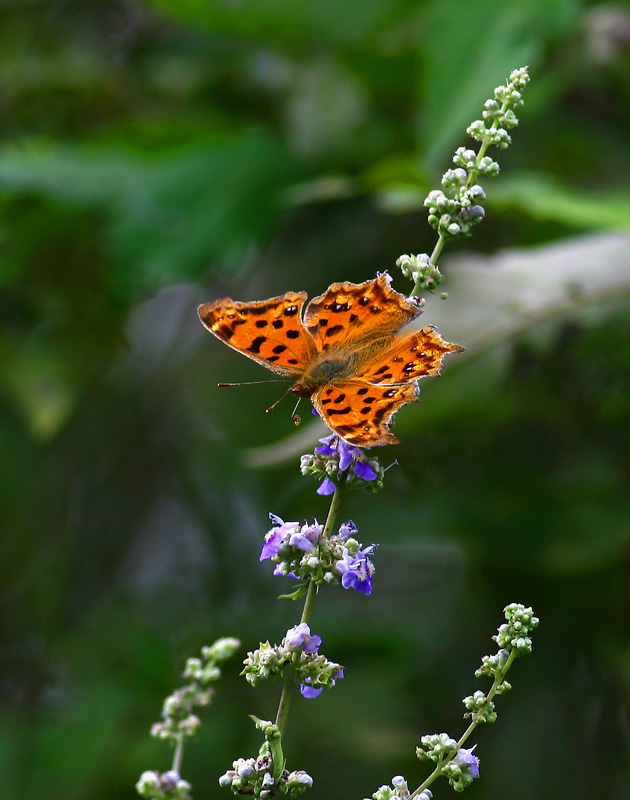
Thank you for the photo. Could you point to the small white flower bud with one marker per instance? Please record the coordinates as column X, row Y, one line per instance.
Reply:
column 245, row 769
column 226, row 779
column 148, row 780
column 169, row 780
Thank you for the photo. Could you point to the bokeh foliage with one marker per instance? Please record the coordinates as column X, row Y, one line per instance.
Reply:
column 159, row 154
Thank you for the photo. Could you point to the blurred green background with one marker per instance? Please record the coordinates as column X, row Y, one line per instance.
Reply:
column 159, row 154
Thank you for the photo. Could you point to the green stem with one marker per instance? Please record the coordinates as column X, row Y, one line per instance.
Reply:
column 179, row 753
column 472, row 175
column 498, row 680
column 433, row 261
column 307, row 611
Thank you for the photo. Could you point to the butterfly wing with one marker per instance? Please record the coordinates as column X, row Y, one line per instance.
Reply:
column 409, row 358
column 348, row 313
column 269, row 332
column 359, row 412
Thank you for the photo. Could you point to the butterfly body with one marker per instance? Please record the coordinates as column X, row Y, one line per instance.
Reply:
column 326, row 371
column 350, row 353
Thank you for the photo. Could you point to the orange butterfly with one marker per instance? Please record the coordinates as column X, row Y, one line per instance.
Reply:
column 347, row 354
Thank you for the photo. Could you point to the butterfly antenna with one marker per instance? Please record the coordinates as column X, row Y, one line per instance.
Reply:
column 282, row 396
column 253, row 383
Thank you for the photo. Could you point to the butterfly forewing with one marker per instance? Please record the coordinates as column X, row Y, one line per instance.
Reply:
column 349, row 313
column 409, row 358
column 269, row 331
column 360, row 413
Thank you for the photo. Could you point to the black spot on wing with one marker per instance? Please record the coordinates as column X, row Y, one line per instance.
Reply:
column 337, row 307
column 339, row 411
column 256, row 344
column 334, row 330
column 258, row 310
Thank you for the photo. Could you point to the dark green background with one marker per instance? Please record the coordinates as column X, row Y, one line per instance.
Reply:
column 155, row 155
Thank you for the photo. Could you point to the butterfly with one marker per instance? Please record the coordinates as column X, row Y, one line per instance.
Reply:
column 346, row 352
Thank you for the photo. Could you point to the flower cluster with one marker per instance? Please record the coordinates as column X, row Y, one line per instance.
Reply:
column 419, row 268
column 179, row 721
column 454, row 211
column 455, row 208
column 513, row 635
column 399, row 790
column 177, row 709
column 313, row 671
column 462, row 770
column 513, row 640
column 301, row 551
column 459, row 765
column 252, row 776
column 163, row 786
column 334, row 459
column 265, row 775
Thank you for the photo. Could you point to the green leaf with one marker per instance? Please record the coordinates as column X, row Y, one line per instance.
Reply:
column 291, row 23
column 169, row 215
column 543, row 198
column 469, row 48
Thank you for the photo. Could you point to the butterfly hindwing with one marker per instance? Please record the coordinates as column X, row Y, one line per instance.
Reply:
column 268, row 331
column 359, row 412
column 409, row 358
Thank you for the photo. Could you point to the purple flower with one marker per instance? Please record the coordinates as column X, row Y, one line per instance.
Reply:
column 299, row 637
column 326, row 487
column 364, row 471
column 280, row 571
column 356, row 571
column 307, row 537
column 347, row 530
column 466, row 758
column 337, row 675
column 277, row 537
column 308, row 691
column 346, row 454
column 326, row 449
column 349, row 455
